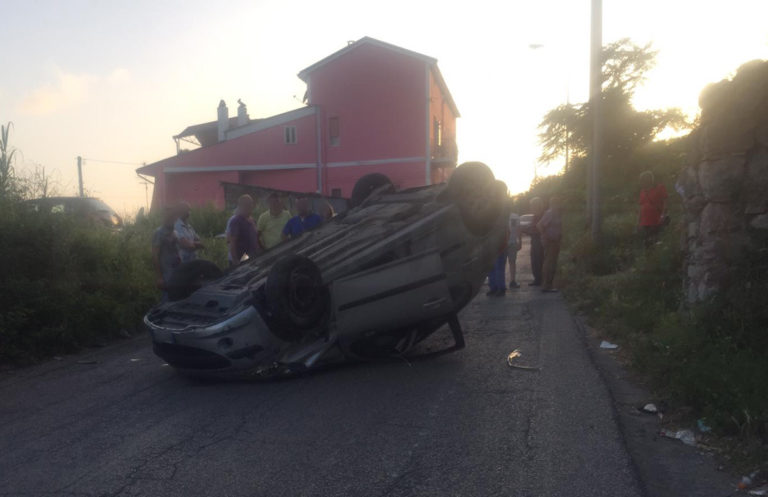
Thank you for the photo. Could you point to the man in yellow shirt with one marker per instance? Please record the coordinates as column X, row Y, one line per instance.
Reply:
column 270, row 224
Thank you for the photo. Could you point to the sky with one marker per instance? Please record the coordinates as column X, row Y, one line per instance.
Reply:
column 113, row 81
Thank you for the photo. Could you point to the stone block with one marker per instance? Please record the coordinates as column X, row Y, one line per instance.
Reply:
column 721, row 179
column 756, row 183
column 694, row 206
column 693, row 229
column 727, row 135
column 687, row 184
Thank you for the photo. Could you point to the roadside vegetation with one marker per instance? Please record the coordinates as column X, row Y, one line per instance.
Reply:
column 69, row 284
column 706, row 362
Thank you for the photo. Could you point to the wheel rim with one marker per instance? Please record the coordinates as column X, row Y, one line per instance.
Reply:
column 302, row 292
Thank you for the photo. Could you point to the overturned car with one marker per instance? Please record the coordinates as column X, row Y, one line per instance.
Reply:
column 371, row 283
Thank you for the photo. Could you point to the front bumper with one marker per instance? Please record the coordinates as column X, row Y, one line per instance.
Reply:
column 240, row 343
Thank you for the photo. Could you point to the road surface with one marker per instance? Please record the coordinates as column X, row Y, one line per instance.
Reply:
column 118, row 422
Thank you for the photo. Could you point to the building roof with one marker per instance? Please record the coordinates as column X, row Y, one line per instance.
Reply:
column 367, row 40
column 208, row 133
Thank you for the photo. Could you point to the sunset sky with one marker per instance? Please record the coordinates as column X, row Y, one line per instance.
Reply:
column 113, row 81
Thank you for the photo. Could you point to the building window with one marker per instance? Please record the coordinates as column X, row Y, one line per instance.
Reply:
column 336, row 192
column 333, row 131
column 290, row 135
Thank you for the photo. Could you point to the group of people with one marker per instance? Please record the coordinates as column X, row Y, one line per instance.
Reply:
column 248, row 237
column 545, row 231
column 176, row 241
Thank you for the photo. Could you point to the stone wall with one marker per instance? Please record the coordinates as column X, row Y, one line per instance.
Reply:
column 725, row 183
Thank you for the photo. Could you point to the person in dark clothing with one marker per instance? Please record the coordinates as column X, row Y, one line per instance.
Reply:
column 551, row 228
column 165, row 251
column 241, row 232
column 537, row 247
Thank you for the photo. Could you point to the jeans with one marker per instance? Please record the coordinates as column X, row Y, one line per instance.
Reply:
column 496, row 277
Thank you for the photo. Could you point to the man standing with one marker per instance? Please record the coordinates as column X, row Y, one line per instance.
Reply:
column 653, row 204
column 271, row 223
column 514, row 244
column 165, row 250
column 305, row 220
column 537, row 248
column 241, row 232
column 551, row 229
column 189, row 242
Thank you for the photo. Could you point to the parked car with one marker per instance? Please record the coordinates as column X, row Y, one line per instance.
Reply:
column 373, row 282
column 85, row 208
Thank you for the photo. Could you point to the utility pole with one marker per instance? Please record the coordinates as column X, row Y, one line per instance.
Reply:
column 595, row 103
column 80, row 175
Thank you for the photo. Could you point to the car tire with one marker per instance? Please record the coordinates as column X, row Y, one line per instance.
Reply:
column 191, row 276
column 477, row 195
column 296, row 297
column 365, row 186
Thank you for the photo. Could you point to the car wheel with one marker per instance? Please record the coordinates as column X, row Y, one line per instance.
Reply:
column 478, row 196
column 365, row 186
column 297, row 299
column 191, row 276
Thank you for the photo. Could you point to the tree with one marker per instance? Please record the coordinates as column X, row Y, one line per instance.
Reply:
column 625, row 129
column 38, row 183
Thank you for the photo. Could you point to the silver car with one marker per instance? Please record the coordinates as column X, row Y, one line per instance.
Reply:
column 373, row 282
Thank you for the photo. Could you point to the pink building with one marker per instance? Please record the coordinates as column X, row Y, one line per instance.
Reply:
column 371, row 107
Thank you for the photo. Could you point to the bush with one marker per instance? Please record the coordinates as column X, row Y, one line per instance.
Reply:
column 68, row 284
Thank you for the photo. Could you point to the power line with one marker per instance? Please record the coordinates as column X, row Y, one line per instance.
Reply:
column 115, row 162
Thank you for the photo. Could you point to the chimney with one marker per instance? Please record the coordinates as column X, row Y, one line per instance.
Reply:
column 242, row 113
column 223, row 120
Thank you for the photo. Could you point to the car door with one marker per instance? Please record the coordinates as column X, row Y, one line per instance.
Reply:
column 395, row 295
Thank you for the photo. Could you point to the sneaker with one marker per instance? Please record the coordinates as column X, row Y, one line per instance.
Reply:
column 500, row 293
column 514, row 284
column 490, row 293
column 534, row 283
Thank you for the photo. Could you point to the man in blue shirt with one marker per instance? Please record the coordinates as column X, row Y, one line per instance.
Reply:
column 306, row 220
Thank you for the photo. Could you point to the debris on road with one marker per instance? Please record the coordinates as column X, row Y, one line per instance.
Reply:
column 759, row 491
column 649, row 409
column 514, row 355
column 745, row 483
column 608, row 345
column 685, row 436
column 135, row 359
column 703, row 427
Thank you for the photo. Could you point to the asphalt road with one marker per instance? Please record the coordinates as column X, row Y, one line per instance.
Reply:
column 118, row 422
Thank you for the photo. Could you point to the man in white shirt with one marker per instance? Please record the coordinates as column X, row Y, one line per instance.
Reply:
column 189, row 242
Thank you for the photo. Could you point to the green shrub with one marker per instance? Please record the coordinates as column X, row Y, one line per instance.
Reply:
column 68, row 284
column 209, row 221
